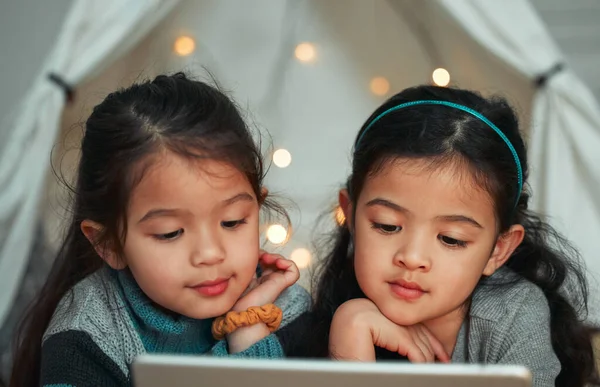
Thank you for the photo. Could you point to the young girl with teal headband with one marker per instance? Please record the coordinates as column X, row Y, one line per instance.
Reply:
column 439, row 257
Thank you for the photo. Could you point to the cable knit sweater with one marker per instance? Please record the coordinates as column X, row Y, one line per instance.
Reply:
column 106, row 321
column 508, row 323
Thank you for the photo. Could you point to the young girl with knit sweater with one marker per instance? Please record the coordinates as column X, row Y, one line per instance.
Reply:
column 162, row 251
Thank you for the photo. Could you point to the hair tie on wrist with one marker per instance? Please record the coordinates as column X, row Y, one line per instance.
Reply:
column 269, row 314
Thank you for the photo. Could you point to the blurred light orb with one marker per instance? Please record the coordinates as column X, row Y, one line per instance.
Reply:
column 379, row 86
column 184, row 45
column 340, row 218
column 441, row 77
column 305, row 52
column 301, row 257
column 276, row 234
column 282, row 158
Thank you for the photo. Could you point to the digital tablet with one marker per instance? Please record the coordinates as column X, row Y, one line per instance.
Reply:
column 195, row 371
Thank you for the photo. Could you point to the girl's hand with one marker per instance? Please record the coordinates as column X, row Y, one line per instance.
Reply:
column 358, row 327
column 278, row 274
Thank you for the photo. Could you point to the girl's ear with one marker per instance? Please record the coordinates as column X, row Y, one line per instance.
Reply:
column 506, row 244
column 92, row 232
column 346, row 206
column 264, row 193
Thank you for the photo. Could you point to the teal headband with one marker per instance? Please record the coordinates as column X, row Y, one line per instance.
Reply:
column 464, row 109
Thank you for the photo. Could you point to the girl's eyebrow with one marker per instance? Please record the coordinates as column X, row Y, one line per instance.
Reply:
column 245, row 196
column 446, row 218
column 158, row 212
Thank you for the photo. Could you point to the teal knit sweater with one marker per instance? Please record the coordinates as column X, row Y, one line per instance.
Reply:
column 106, row 321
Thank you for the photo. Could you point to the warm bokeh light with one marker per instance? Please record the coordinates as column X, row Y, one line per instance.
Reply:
column 379, row 86
column 184, row 45
column 305, row 52
column 441, row 77
column 340, row 218
column 282, row 158
column 276, row 234
column 302, row 257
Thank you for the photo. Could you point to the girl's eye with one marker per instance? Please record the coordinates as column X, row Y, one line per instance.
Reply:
column 232, row 224
column 386, row 228
column 170, row 235
column 452, row 242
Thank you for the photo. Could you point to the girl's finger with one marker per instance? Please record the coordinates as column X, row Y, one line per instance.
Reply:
column 415, row 354
column 423, row 342
column 438, row 348
column 283, row 264
column 428, row 356
column 269, row 259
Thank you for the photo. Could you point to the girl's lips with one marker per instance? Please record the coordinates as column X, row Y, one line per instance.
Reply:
column 212, row 288
column 409, row 291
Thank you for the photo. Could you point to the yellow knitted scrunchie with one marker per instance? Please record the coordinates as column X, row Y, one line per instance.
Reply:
column 269, row 314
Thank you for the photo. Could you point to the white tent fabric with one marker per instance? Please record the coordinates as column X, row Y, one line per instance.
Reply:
column 565, row 127
column 94, row 34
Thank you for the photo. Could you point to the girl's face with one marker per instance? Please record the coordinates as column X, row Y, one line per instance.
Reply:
column 423, row 238
column 192, row 239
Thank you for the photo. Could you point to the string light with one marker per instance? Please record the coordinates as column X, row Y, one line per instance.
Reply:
column 441, row 77
column 305, row 52
column 302, row 257
column 184, row 45
column 340, row 218
column 282, row 158
column 276, row 234
column 379, row 86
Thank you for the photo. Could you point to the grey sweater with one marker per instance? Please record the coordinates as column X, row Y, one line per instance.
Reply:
column 509, row 324
column 106, row 321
